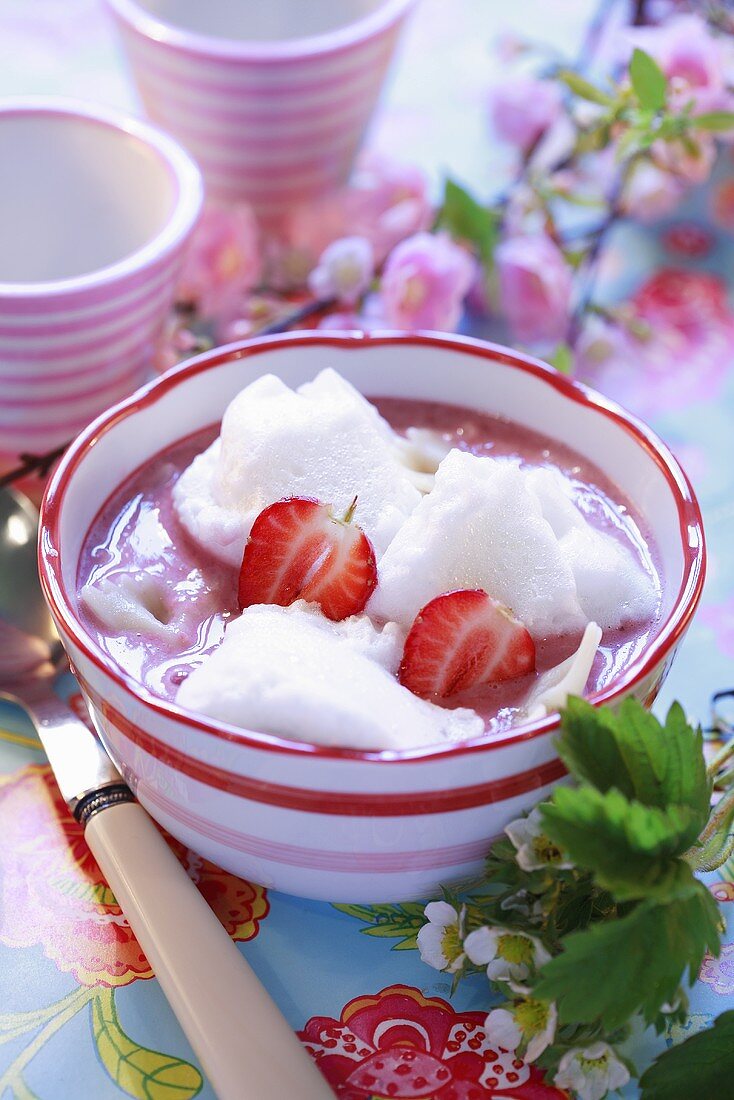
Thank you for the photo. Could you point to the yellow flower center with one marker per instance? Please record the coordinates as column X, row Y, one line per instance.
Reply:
column 545, row 850
column 230, row 262
column 532, row 1017
column 515, row 949
column 451, row 944
column 594, row 1065
column 414, row 292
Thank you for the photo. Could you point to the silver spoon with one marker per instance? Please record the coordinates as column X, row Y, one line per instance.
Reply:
column 246, row 1047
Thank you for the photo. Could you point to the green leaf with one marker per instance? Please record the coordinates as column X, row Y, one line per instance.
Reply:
column 389, row 921
column 718, row 121
column 467, row 220
column 630, row 848
column 635, row 963
column 140, row 1072
column 588, row 746
column 562, row 359
column 630, row 750
column 361, row 912
column 648, row 81
column 584, row 88
column 701, row 1066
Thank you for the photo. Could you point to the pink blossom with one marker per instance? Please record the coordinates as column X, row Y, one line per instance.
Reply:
column 599, row 341
column 522, row 108
column 222, row 262
column 424, row 283
column 690, row 162
column 693, row 59
column 385, row 202
column 651, row 192
column 535, row 286
column 388, row 202
column 344, row 270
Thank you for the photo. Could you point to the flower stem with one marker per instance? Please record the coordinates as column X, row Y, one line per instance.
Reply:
column 716, row 842
column 720, row 758
column 63, row 1010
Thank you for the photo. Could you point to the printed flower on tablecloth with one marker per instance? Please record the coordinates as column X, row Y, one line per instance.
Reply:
column 685, row 355
column 719, row 973
column 52, row 892
column 398, row 1043
column 722, row 891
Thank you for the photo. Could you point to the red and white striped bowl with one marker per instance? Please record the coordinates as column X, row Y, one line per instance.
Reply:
column 93, row 220
column 332, row 823
column 272, row 99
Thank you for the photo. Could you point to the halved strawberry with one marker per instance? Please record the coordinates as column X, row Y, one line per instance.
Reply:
column 462, row 639
column 298, row 550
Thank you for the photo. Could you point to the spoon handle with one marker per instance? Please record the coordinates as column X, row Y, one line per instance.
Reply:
column 247, row 1049
column 245, row 1046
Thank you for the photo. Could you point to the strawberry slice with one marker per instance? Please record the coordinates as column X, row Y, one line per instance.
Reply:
column 462, row 639
column 298, row 550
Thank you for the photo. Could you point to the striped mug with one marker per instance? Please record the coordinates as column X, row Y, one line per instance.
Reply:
column 94, row 217
column 272, row 99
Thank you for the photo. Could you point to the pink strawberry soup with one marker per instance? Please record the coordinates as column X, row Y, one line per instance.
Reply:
column 137, row 530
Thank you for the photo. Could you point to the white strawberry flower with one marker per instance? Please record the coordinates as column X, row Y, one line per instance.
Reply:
column 591, row 1073
column 527, row 1021
column 508, row 955
column 521, row 903
column 440, row 942
column 534, row 849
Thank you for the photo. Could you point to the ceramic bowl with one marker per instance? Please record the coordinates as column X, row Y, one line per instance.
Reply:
column 93, row 220
column 272, row 99
column 330, row 823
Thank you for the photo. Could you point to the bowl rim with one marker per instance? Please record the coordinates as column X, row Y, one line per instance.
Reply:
column 672, row 629
column 200, row 45
column 179, row 166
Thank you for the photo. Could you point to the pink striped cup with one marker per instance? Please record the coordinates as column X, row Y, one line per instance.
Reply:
column 317, row 820
column 272, row 99
column 94, row 217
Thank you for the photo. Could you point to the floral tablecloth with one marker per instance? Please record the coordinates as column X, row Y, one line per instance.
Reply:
column 80, row 1012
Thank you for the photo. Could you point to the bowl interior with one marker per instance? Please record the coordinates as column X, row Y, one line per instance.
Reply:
column 82, row 195
column 197, row 395
column 272, row 21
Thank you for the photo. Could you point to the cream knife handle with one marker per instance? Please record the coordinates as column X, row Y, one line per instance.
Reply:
column 247, row 1049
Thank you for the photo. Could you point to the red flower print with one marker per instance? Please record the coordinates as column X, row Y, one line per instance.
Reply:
column 688, row 239
column 401, row 1044
column 722, row 891
column 685, row 355
column 722, row 205
column 52, row 892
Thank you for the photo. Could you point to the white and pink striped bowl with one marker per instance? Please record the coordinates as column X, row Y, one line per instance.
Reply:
column 273, row 98
column 332, row 823
column 95, row 211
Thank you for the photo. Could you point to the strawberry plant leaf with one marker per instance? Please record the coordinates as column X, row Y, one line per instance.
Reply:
column 631, row 751
column 648, row 81
column 701, row 1066
column 651, row 947
column 588, row 747
column 630, row 848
